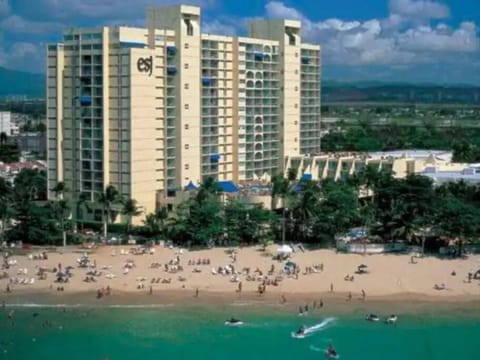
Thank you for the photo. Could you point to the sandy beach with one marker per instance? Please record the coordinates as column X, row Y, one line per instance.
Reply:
column 388, row 277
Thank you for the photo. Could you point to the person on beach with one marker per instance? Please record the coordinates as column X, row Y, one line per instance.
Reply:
column 363, row 294
column 331, row 287
column 239, row 287
column 321, row 304
column 284, row 299
column 349, row 296
column 196, row 292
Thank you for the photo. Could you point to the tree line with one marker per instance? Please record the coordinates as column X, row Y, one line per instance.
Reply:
column 390, row 209
column 463, row 141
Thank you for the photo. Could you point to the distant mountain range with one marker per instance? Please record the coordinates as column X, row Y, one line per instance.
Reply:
column 18, row 83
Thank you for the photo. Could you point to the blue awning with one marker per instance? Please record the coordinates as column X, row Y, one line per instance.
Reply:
column 131, row 44
column 307, row 177
column 171, row 50
column 85, row 100
column 190, row 186
column 171, row 70
column 305, row 60
column 214, row 158
column 206, row 81
column 227, row 186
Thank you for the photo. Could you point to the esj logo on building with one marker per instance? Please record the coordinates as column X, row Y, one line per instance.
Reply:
column 145, row 65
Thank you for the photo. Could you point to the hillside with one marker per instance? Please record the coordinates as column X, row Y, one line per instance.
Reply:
column 19, row 83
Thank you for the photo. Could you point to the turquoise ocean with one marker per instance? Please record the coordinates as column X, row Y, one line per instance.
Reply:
column 199, row 333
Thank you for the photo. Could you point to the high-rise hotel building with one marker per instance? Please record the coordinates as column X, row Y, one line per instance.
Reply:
column 150, row 110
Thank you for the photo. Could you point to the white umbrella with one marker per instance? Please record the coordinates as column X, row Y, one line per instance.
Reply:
column 284, row 250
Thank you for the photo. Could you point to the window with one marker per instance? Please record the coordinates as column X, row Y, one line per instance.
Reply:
column 185, row 45
column 186, row 106
column 296, row 54
column 185, row 66
column 186, row 86
column 187, row 166
column 189, row 25
column 186, row 146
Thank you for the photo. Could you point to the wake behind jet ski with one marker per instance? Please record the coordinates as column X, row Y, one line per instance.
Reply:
column 233, row 322
column 392, row 319
column 372, row 317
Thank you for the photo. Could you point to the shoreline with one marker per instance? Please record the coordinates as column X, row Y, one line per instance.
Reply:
column 392, row 281
column 334, row 304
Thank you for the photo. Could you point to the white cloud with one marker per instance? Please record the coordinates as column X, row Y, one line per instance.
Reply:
column 426, row 9
column 397, row 40
column 218, row 27
column 22, row 55
column 277, row 10
column 18, row 25
column 441, row 39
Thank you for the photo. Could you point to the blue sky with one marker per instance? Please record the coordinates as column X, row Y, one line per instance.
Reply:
column 434, row 41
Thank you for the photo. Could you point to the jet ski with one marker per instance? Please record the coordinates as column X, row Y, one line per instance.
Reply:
column 233, row 322
column 392, row 319
column 372, row 317
column 300, row 333
column 332, row 353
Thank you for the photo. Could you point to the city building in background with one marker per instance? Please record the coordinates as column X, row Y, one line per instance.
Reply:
column 32, row 142
column 152, row 110
column 5, row 123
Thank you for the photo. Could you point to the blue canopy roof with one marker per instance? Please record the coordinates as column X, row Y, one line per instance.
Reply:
column 307, row 177
column 190, row 186
column 132, row 44
column 228, row 186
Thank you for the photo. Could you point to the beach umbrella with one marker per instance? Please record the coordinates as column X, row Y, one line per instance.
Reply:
column 363, row 266
column 284, row 250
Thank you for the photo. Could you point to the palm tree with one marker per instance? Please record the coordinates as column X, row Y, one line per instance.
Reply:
column 162, row 215
column 82, row 200
column 130, row 209
column 6, row 201
column 279, row 188
column 107, row 199
column 60, row 189
column 62, row 207
column 61, row 211
column 155, row 222
column 3, row 138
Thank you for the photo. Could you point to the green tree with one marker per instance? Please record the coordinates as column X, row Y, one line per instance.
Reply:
column 245, row 223
column 107, row 199
column 61, row 209
column 3, row 138
column 6, row 205
column 130, row 209
column 199, row 219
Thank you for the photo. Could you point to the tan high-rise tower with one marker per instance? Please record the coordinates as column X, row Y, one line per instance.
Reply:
column 150, row 110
